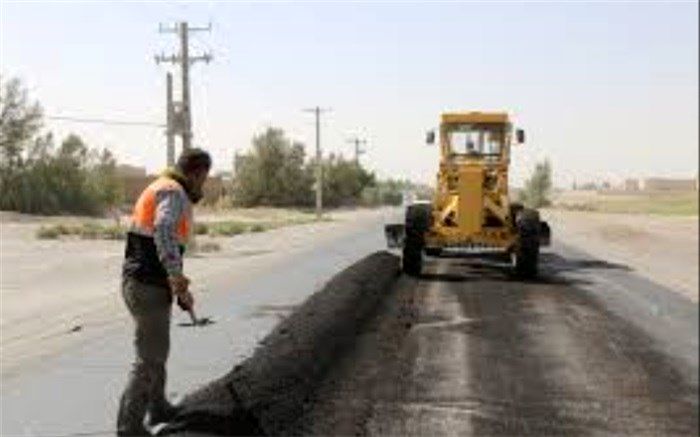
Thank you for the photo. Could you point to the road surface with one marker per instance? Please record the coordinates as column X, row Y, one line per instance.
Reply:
column 590, row 348
column 466, row 350
column 245, row 289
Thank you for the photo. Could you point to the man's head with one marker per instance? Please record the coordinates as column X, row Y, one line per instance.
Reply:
column 194, row 164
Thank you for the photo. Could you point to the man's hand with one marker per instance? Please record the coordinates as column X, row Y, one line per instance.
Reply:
column 179, row 286
column 185, row 301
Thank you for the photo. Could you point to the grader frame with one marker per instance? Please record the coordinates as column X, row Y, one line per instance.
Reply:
column 471, row 208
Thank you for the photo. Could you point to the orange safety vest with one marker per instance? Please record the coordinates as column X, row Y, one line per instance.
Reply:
column 143, row 217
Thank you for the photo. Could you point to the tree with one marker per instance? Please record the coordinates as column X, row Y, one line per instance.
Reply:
column 273, row 173
column 104, row 180
column 20, row 121
column 535, row 194
column 344, row 181
column 37, row 177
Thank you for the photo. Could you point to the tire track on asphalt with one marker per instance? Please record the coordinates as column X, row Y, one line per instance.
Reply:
column 434, row 401
column 467, row 350
column 614, row 376
column 561, row 363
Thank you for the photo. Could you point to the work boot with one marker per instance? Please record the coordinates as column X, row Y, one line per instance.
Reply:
column 162, row 413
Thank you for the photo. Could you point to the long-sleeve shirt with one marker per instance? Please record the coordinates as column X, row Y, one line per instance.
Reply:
column 169, row 207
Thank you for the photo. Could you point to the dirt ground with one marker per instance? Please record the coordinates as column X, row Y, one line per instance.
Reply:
column 50, row 289
column 661, row 248
column 664, row 203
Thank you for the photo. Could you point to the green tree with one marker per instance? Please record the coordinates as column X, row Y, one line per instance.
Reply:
column 536, row 192
column 20, row 121
column 344, row 181
column 273, row 173
column 104, row 181
column 37, row 177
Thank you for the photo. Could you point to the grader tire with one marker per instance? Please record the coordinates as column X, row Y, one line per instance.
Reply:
column 412, row 257
column 433, row 251
column 527, row 251
column 515, row 209
column 417, row 223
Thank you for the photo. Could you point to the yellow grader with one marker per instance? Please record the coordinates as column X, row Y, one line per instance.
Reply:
column 471, row 208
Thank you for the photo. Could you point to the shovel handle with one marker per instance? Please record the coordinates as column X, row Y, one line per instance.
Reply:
column 193, row 317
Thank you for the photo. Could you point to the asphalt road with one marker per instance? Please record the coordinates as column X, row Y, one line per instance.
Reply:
column 587, row 349
column 76, row 392
column 590, row 348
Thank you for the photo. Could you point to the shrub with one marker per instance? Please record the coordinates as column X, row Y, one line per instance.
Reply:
column 86, row 231
column 38, row 177
column 536, row 192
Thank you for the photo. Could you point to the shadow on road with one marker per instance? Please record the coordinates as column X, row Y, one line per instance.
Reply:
column 497, row 267
column 562, row 264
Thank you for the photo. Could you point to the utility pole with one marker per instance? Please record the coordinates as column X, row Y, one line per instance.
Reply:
column 182, row 117
column 170, row 113
column 358, row 151
column 319, row 164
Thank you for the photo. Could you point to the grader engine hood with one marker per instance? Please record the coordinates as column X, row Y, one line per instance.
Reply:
column 470, row 210
column 465, row 209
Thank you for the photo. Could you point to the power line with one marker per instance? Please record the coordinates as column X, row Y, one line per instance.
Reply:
column 103, row 121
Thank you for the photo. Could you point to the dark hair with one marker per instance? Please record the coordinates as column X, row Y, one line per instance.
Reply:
column 192, row 160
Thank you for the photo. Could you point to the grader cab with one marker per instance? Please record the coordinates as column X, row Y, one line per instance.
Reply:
column 471, row 208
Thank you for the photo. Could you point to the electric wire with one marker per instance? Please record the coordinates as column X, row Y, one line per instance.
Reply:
column 104, row 121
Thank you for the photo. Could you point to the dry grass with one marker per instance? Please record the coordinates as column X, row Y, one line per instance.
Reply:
column 255, row 215
column 658, row 203
column 208, row 222
column 85, row 231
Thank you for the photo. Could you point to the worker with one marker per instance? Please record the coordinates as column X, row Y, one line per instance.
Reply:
column 152, row 277
column 471, row 148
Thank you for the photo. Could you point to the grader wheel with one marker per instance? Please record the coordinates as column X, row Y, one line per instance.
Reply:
column 417, row 223
column 525, row 254
column 433, row 251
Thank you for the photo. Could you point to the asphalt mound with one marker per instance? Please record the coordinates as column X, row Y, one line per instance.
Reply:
column 267, row 393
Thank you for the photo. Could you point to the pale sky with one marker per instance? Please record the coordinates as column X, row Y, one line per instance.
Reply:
column 605, row 90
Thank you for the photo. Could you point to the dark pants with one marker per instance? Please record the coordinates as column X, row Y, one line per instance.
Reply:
column 150, row 306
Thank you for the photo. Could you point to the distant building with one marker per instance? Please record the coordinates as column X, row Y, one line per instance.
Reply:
column 126, row 170
column 631, row 185
column 668, row 184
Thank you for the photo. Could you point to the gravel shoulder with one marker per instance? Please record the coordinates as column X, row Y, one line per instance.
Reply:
column 662, row 249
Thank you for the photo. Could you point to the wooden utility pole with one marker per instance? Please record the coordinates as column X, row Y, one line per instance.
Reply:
column 319, row 161
column 358, row 150
column 185, row 82
column 170, row 115
column 182, row 112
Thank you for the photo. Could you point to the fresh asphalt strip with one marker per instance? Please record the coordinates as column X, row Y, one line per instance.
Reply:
column 267, row 393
